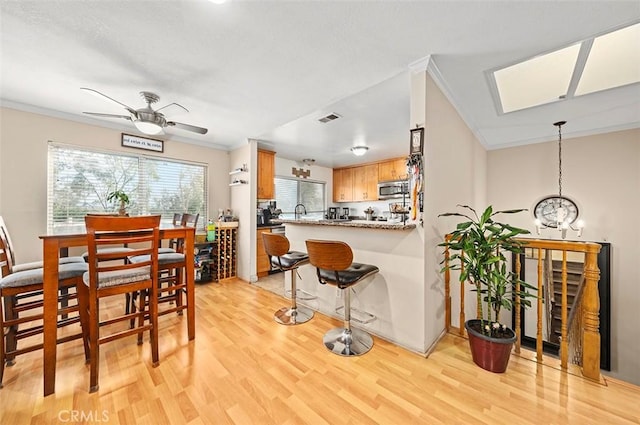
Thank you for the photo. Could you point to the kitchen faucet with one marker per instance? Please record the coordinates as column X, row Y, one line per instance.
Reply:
column 296, row 214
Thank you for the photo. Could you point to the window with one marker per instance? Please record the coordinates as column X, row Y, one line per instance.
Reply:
column 290, row 192
column 80, row 180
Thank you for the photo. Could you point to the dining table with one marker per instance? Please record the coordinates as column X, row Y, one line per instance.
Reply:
column 60, row 240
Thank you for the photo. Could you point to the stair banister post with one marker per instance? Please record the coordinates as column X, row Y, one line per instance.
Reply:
column 591, row 315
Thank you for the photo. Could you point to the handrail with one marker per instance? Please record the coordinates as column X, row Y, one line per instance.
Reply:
column 589, row 306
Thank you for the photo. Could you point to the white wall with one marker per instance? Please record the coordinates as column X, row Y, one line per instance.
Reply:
column 23, row 169
column 455, row 173
column 601, row 173
column 243, row 205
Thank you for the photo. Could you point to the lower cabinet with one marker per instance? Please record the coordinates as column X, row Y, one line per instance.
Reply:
column 262, row 259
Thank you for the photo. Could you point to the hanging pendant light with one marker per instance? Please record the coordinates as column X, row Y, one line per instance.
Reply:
column 558, row 211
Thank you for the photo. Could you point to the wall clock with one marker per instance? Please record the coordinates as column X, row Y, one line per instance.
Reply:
column 546, row 210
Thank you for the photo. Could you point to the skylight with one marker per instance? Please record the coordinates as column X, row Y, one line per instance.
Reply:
column 600, row 63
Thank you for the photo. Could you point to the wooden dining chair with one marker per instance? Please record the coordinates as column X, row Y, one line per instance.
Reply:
column 21, row 318
column 173, row 288
column 177, row 219
column 107, row 278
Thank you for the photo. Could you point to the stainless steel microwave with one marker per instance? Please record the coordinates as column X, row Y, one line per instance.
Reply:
column 393, row 189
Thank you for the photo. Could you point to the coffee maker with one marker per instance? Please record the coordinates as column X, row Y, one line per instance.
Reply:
column 333, row 213
column 345, row 213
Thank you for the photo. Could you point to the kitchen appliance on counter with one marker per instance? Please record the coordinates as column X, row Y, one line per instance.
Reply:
column 333, row 213
column 345, row 213
column 393, row 189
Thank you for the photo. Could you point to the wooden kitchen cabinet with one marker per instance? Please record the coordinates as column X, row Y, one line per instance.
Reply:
column 343, row 185
column 365, row 183
column 393, row 169
column 262, row 259
column 266, row 174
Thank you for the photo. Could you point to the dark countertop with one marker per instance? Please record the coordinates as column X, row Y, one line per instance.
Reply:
column 270, row 226
column 385, row 225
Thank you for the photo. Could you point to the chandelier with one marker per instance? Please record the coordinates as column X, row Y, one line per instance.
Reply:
column 558, row 211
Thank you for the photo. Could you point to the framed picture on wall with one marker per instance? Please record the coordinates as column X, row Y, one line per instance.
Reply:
column 417, row 141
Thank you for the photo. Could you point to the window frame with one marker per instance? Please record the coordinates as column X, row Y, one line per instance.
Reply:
column 142, row 185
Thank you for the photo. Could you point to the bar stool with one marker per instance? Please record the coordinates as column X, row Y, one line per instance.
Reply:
column 334, row 265
column 277, row 248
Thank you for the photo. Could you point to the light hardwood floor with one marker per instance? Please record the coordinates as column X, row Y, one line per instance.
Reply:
column 243, row 368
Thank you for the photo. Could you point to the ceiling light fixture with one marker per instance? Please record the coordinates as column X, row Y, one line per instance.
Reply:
column 558, row 211
column 148, row 127
column 359, row 150
column 308, row 161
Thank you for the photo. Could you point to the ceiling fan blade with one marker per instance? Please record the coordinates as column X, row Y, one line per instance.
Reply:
column 187, row 127
column 97, row 93
column 97, row 114
column 173, row 104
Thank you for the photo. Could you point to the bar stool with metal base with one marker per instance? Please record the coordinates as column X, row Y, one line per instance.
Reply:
column 334, row 265
column 280, row 258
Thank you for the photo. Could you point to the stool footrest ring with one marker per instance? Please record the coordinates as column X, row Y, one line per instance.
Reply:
column 357, row 315
column 300, row 295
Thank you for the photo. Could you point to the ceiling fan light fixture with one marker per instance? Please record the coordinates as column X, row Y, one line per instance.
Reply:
column 359, row 150
column 147, row 127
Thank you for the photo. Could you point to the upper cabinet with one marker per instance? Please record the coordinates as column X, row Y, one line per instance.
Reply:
column 266, row 174
column 343, row 185
column 393, row 169
column 360, row 183
column 365, row 183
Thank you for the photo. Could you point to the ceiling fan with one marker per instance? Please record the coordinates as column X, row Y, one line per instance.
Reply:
column 147, row 120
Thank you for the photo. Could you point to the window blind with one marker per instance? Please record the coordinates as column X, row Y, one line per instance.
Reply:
column 80, row 180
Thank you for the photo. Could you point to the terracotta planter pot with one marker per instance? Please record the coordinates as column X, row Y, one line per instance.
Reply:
column 489, row 353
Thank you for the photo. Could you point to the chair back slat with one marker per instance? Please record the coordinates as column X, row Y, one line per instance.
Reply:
column 7, row 255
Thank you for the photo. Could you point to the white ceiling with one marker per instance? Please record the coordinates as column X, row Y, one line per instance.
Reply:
column 268, row 70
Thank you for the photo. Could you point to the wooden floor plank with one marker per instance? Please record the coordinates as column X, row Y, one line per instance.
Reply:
column 244, row 368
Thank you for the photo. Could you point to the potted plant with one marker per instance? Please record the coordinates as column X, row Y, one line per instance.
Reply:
column 122, row 197
column 477, row 248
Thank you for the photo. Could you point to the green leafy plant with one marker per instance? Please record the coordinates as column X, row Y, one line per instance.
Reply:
column 120, row 196
column 477, row 248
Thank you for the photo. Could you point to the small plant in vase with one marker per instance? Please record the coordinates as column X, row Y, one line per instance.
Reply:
column 477, row 249
column 122, row 197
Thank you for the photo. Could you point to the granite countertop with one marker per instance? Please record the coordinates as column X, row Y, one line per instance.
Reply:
column 366, row 224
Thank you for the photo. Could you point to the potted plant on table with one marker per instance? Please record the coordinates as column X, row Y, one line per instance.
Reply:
column 477, row 248
column 122, row 197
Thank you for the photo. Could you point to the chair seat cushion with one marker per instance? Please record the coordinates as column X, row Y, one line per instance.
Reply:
column 166, row 258
column 120, row 277
column 290, row 260
column 38, row 264
column 349, row 276
column 35, row 276
column 122, row 249
column 166, row 250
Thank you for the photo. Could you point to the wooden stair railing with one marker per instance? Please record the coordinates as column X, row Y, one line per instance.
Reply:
column 584, row 320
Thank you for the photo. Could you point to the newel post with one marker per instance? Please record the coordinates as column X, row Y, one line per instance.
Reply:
column 591, row 316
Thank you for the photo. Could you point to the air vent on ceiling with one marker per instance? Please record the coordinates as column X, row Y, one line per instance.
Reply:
column 330, row 117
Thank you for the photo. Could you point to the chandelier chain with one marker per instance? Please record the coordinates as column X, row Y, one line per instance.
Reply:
column 560, row 160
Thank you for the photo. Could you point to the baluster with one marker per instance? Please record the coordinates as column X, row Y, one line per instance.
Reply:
column 591, row 318
column 564, row 343
column 517, row 306
column 447, row 289
column 539, row 337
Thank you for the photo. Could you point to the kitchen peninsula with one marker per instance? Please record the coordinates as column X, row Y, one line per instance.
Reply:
column 395, row 295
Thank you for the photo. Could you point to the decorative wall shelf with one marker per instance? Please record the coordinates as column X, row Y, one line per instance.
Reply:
column 243, row 169
column 238, row 182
